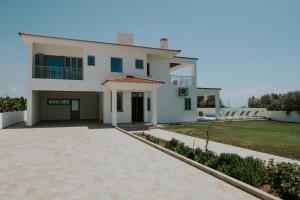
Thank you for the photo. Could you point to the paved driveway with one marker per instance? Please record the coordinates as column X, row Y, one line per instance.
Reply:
column 81, row 163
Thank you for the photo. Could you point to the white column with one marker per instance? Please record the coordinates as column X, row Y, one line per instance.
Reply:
column 29, row 121
column 154, row 106
column 114, row 107
column 217, row 102
column 145, row 107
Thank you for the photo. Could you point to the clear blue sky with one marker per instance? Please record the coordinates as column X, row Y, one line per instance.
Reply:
column 245, row 47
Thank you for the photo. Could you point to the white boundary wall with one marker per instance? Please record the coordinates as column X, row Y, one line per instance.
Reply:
column 261, row 112
column 9, row 118
column 207, row 110
column 283, row 116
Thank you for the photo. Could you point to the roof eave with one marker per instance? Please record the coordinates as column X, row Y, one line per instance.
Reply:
column 23, row 35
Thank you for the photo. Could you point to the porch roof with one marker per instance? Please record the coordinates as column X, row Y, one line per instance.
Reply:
column 132, row 79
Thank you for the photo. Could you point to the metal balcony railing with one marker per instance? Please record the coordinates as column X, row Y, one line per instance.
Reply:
column 54, row 72
column 182, row 81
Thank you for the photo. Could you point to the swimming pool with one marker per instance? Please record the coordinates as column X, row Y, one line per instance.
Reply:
column 211, row 115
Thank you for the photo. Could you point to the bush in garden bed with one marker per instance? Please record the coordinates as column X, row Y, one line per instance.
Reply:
column 248, row 170
column 284, row 178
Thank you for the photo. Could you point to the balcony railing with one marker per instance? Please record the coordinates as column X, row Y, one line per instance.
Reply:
column 53, row 72
column 182, row 81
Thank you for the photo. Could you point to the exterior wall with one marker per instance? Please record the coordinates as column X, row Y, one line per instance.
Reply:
column 122, row 117
column 89, row 105
column 93, row 76
column 210, row 91
column 207, row 110
column 35, row 104
column 261, row 111
column 170, row 104
column 294, row 116
column 10, row 118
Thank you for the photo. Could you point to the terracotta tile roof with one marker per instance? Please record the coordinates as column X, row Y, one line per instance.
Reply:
column 133, row 79
column 98, row 42
column 174, row 65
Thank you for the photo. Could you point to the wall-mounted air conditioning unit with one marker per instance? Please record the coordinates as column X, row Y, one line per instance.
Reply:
column 183, row 91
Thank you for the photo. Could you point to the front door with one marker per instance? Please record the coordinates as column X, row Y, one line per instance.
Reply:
column 137, row 105
column 75, row 109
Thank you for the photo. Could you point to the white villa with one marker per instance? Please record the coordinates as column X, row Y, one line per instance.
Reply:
column 73, row 79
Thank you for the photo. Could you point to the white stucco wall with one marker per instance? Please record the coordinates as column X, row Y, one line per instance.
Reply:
column 93, row 76
column 238, row 111
column 170, row 104
column 35, row 104
column 283, row 116
column 122, row 117
column 207, row 110
column 10, row 118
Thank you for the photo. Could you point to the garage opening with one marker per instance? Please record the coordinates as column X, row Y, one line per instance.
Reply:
column 70, row 105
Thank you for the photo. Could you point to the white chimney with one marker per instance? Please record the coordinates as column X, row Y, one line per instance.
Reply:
column 164, row 43
column 125, row 38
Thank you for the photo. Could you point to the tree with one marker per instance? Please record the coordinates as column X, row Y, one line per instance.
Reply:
column 253, row 102
column 286, row 102
column 210, row 102
column 8, row 104
column 200, row 101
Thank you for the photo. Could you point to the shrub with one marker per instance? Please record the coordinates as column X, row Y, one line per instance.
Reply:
column 205, row 157
column 248, row 170
column 284, row 179
column 8, row 104
column 172, row 144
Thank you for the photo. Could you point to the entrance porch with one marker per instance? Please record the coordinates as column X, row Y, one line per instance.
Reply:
column 132, row 99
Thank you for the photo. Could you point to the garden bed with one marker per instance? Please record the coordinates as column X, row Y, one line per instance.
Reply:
column 281, row 179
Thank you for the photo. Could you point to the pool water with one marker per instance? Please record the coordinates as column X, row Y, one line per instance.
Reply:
column 211, row 115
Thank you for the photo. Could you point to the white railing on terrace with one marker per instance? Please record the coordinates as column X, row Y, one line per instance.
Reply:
column 54, row 72
column 182, row 81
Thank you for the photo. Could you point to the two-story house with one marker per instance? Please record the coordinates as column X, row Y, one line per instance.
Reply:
column 73, row 79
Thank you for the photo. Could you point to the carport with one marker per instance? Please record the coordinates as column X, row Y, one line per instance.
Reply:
column 61, row 105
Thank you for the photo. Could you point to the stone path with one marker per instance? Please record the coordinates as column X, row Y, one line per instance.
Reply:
column 216, row 146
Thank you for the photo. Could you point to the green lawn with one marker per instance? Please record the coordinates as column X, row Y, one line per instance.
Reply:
column 272, row 137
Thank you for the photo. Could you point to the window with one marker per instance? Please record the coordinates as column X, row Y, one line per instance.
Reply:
column 139, row 64
column 91, row 60
column 148, row 104
column 119, row 102
column 148, row 69
column 187, row 104
column 116, row 65
column 58, row 102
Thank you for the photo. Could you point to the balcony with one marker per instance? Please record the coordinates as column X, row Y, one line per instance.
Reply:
column 182, row 81
column 54, row 72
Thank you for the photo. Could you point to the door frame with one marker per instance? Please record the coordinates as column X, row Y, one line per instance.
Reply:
column 141, row 106
column 71, row 108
